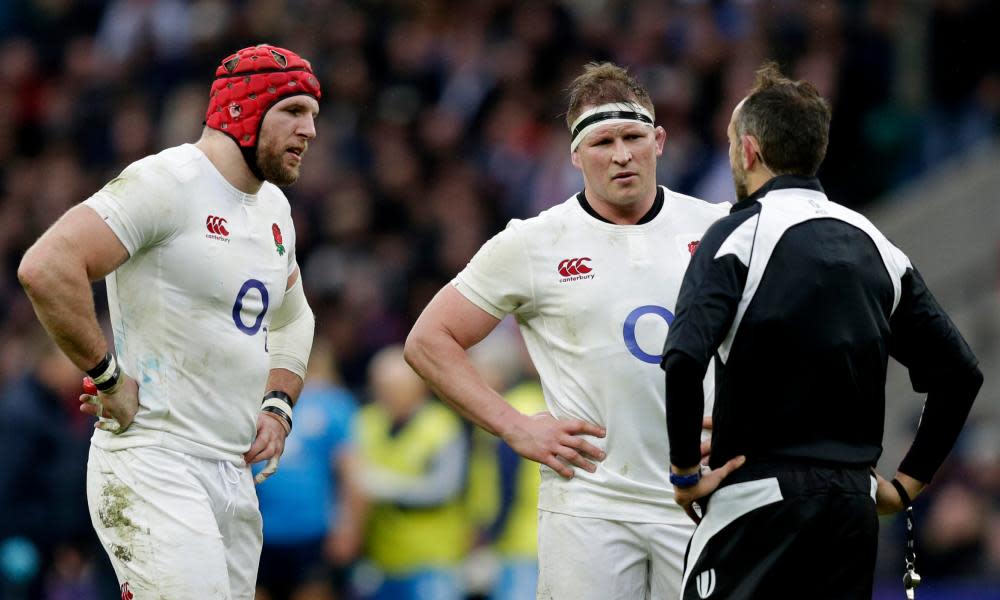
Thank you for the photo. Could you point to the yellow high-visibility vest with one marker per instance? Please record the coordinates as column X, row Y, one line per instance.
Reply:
column 401, row 539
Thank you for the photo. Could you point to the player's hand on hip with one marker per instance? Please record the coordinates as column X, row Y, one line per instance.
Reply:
column 556, row 443
column 115, row 410
column 708, row 483
column 268, row 445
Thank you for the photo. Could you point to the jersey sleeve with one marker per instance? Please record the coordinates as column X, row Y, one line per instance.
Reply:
column 941, row 364
column 711, row 290
column 923, row 337
column 498, row 278
column 138, row 207
column 706, row 306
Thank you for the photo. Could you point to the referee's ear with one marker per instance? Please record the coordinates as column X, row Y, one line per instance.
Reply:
column 749, row 151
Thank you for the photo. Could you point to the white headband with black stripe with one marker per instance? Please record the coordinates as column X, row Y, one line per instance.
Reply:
column 614, row 112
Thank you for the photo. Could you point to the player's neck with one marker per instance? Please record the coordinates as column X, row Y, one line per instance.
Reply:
column 223, row 153
column 621, row 214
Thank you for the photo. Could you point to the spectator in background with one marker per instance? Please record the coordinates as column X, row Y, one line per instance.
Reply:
column 514, row 531
column 312, row 508
column 414, row 455
column 503, row 485
column 42, row 439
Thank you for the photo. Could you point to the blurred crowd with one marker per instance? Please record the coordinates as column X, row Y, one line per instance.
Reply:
column 440, row 121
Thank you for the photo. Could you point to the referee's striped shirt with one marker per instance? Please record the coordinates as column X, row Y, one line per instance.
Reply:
column 802, row 301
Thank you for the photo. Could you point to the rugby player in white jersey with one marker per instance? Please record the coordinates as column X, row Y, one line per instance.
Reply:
column 198, row 249
column 592, row 282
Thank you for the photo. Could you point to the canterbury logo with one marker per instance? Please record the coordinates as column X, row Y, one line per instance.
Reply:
column 705, row 583
column 574, row 266
column 216, row 225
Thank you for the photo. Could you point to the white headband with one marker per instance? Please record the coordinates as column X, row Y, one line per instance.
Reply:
column 605, row 114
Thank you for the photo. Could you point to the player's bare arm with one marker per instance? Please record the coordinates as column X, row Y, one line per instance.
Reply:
column 56, row 273
column 290, row 343
column 436, row 349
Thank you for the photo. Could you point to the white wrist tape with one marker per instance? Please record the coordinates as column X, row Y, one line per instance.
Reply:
column 277, row 403
column 107, row 374
column 291, row 334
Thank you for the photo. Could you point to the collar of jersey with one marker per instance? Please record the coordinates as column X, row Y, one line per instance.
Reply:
column 779, row 182
column 239, row 195
column 646, row 218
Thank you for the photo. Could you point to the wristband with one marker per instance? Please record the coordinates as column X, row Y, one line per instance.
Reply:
column 903, row 495
column 685, row 481
column 278, row 404
column 107, row 374
column 101, row 366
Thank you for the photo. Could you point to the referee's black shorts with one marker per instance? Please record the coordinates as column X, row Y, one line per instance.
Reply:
column 785, row 530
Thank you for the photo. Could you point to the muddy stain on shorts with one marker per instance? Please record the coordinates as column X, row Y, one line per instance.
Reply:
column 123, row 553
column 116, row 500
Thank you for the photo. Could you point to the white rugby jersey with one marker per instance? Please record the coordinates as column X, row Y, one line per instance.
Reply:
column 190, row 309
column 594, row 301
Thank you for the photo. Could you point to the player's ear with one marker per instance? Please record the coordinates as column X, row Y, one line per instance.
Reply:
column 661, row 137
column 575, row 159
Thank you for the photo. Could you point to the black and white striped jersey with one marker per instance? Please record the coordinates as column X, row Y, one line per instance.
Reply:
column 802, row 301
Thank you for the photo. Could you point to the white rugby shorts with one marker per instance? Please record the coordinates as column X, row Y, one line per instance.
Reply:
column 174, row 525
column 582, row 558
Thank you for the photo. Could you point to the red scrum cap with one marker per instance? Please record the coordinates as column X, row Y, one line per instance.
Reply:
column 248, row 83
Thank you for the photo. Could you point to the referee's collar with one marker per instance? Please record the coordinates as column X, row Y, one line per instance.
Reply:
column 779, row 182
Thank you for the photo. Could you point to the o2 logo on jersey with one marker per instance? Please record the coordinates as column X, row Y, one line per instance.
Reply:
column 250, row 284
column 628, row 331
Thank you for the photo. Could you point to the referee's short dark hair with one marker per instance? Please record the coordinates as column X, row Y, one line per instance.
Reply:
column 790, row 120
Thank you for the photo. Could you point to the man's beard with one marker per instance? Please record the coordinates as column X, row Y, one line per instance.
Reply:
column 740, row 181
column 271, row 166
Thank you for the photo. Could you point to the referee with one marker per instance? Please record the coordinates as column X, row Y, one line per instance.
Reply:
column 802, row 301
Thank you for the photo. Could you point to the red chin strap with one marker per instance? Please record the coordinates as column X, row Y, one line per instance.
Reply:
column 247, row 84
